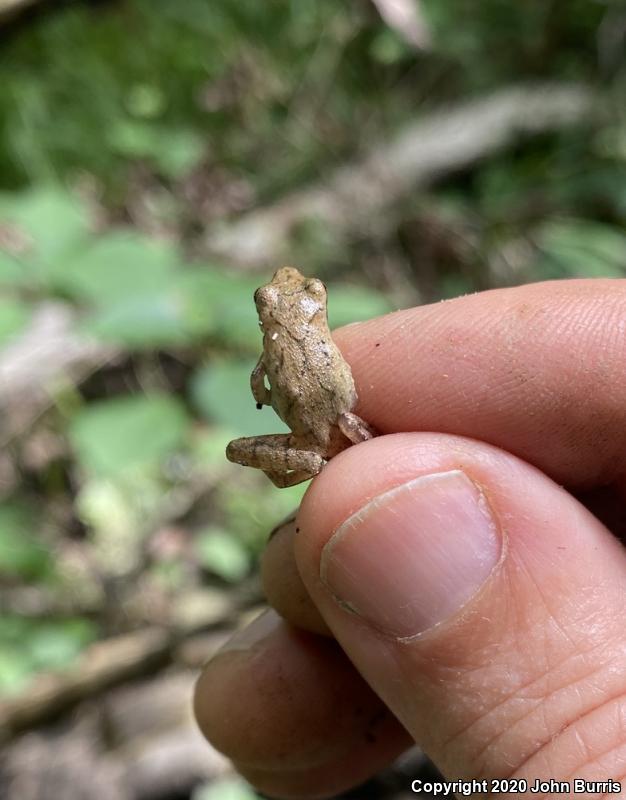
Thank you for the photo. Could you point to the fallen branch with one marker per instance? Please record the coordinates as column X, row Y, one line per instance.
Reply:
column 113, row 661
column 33, row 365
column 355, row 197
column 105, row 664
column 137, row 742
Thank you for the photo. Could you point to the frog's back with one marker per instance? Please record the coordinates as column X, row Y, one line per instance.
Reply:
column 317, row 387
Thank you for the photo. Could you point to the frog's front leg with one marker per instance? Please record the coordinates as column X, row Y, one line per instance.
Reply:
column 260, row 392
column 275, row 453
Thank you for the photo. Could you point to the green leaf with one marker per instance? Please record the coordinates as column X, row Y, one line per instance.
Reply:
column 13, row 317
column 141, row 322
column 15, row 668
column 238, row 324
column 21, row 555
column 52, row 218
column 178, row 152
column 145, row 100
column 353, row 304
column 223, row 305
column 56, row 644
column 127, row 432
column 29, row 645
column 223, row 554
column 253, row 506
column 580, row 248
column 208, row 446
column 142, row 295
column 114, row 509
column 13, row 272
column 221, row 393
column 174, row 151
column 117, row 266
column 388, row 47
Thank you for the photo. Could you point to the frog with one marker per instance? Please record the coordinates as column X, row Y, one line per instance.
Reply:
column 311, row 387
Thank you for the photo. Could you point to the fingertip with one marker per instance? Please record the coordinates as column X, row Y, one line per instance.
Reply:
column 282, row 583
column 278, row 699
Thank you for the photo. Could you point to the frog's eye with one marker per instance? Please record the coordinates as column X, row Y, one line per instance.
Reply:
column 315, row 287
column 261, row 295
column 265, row 297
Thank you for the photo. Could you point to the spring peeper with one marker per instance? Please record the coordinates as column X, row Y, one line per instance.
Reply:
column 310, row 385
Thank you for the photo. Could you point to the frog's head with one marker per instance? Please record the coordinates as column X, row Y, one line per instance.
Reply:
column 290, row 298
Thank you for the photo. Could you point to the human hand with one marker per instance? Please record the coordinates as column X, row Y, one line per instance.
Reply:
column 481, row 601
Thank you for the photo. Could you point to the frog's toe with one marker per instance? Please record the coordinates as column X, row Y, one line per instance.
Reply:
column 232, row 452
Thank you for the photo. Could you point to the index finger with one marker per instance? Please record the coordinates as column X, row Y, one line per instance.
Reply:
column 537, row 370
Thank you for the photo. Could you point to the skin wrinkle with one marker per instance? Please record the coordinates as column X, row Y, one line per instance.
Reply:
column 593, row 760
column 540, row 706
column 542, row 698
column 621, row 776
column 618, row 698
column 573, row 653
column 550, row 618
column 539, row 702
column 584, row 747
column 587, row 712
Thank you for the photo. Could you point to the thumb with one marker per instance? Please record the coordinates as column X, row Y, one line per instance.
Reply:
column 481, row 602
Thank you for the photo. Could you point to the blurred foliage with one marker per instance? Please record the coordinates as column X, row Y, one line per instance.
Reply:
column 134, row 458
column 231, row 788
column 113, row 436
column 21, row 554
column 115, row 156
column 27, row 646
column 223, row 554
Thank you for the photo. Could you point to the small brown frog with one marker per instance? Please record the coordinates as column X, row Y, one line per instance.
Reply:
column 310, row 385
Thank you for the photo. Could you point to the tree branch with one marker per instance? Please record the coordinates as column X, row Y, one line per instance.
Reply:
column 356, row 197
column 113, row 661
column 33, row 365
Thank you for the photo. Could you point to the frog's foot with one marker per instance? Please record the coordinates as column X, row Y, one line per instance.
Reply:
column 275, row 454
column 355, row 428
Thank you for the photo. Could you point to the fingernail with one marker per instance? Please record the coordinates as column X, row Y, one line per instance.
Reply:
column 412, row 557
column 258, row 630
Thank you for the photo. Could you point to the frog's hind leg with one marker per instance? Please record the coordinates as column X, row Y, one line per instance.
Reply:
column 355, row 428
column 276, row 455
